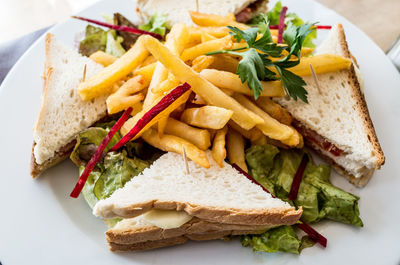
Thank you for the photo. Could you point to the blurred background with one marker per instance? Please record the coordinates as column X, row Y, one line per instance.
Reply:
column 380, row 19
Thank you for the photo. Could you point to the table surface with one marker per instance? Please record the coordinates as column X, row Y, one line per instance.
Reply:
column 379, row 19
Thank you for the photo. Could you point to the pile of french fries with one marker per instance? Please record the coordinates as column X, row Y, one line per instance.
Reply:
column 219, row 112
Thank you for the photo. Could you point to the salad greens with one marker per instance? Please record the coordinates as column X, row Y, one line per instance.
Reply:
column 275, row 169
column 156, row 24
column 115, row 168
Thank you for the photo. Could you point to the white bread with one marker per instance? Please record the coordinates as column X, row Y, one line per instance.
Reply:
column 340, row 115
column 177, row 10
column 63, row 114
column 220, row 195
column 137, row 229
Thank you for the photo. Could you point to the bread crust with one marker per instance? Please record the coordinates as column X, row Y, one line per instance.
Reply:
column 361, row 104
column 59, row 156
column 131, row 234
column 153, row 244
column 276, row 216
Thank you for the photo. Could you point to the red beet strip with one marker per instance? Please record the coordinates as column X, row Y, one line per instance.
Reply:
column 120, row 28
column 314, row 235
column 294, row 189
column 250, row 178
column 281, row 25
column 97, row 155
column 152, row 113
column 317, row 26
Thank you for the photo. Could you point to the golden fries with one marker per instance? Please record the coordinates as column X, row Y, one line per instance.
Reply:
column 171, row 143
column 322, row 63
column 217, row 32
column 101, row 83
column 218, row 150
column 146, row 72
column 210, row 93
column 123, row 98
column 275, row 110
column 232, row 81
column 235, row 146
column 129, row 124
column 225, row 62
column 207, row 20
column 166, row 85
column 199, row 137
column 253, row 134
column 202, row 62
column 103, row 58
column 207, row 37
column 205, row 47
column 209, row 117
column 271, row 127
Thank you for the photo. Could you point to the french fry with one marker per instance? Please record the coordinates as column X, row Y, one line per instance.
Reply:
column 271, row 127
column 296, row 139
column 209, row 117
column 148, row 60
column 218, row 32
column 210, row 93
column 103, row 58
column 207, row 37
column 199, row 100
column 235, row 146
column 253, row 134
column 274, row 109
column 232, row 81
column 129, row 124
column 166, row 85
column 207, row 20
column 263, row 140
column 177, row 38
column 199, row 137
column 202, row 62
column 101, row 83
column 225, row 62
column 162, row 123
column 123, row 98
column 146, row 72
column 171, row 143
column 322, row 63
column 218, row 150
column 205, row 47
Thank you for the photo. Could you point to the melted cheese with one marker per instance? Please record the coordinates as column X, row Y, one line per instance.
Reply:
column 167, row 219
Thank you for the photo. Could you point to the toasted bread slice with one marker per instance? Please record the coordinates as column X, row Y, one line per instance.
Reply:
column 339, row 114
column 137, row 234
column 63, row 114
column 219, row 195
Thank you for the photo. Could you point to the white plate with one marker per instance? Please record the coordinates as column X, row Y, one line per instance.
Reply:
column 41, row 224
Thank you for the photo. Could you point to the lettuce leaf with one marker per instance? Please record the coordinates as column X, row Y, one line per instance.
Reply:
column 275, row 170
column 113, row 45
column 113, row 170
column 156, row 24
column 282, row 239
column 95, row 40
column 129, row 39
column 318, row 197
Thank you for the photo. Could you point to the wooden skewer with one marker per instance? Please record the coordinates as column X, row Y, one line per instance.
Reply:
column 197, row 5
column 84, row 74
column 315, row 79
column 185, row 160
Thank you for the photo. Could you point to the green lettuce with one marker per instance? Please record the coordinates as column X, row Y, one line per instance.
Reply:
column 282, row 239
column 95, row 40
column 129, row 39
column 275, row 170
column 156, row 24
column 113, row 170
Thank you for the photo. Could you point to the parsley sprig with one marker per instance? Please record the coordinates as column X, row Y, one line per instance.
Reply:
column 258, row 58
